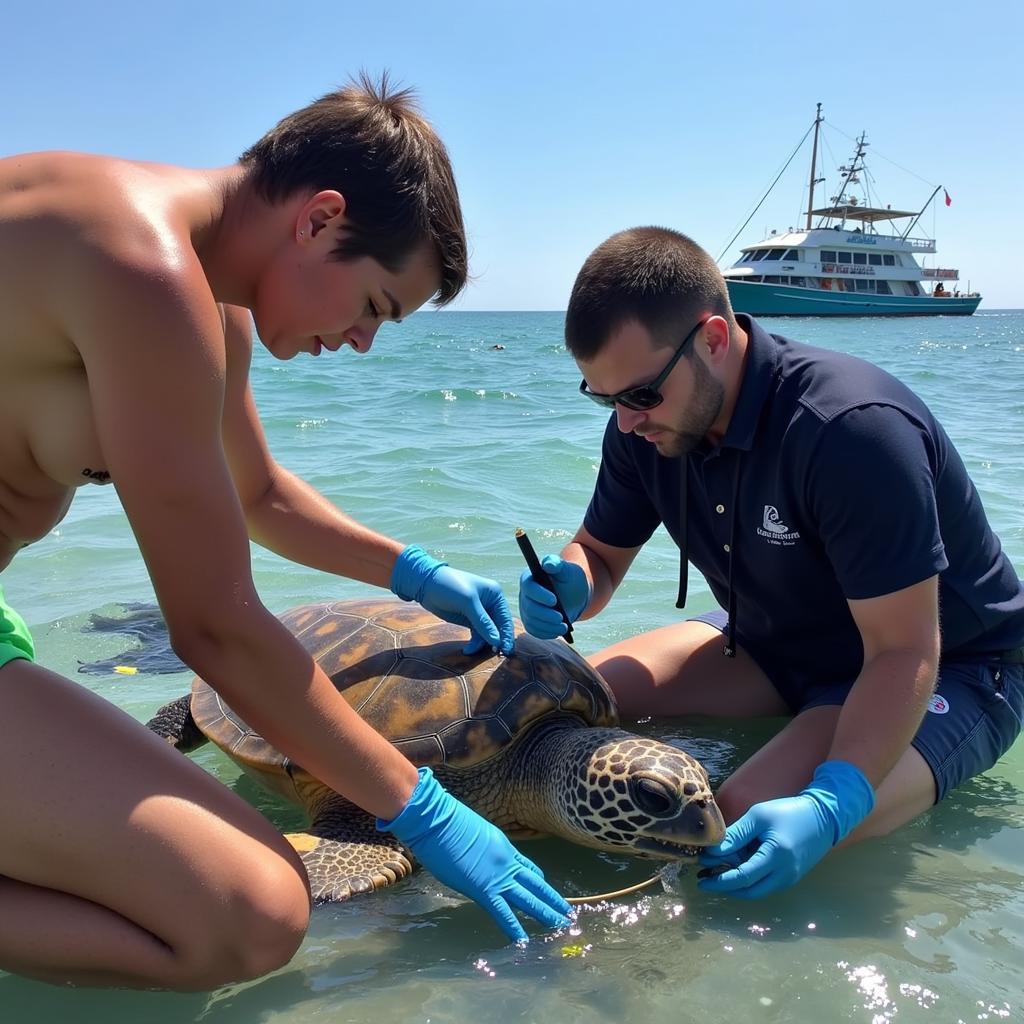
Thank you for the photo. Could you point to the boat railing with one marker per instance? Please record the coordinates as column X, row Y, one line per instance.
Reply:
column 915, row 244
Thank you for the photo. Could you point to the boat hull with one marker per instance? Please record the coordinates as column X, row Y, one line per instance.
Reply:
column 786, row 300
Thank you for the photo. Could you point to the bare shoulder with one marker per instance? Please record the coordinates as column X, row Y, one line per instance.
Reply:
column 70, row 220
column 80, row 197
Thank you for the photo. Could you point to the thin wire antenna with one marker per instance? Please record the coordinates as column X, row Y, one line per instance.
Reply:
column 875, row 152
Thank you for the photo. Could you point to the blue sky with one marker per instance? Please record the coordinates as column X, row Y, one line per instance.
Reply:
column 569, row 121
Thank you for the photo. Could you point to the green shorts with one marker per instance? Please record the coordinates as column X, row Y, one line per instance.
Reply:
column 15, row 639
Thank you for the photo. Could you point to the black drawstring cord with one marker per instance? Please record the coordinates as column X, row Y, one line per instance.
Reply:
column 684, row 562
column 730, row 638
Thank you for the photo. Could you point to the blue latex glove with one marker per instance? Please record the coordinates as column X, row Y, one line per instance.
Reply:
column 468, row 854
column 778, row 841
column 537, row 604
column 456, row 596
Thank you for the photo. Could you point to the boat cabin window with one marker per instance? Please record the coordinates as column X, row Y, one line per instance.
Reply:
column 860, row 258
column 774, row 254
column 864, row 286
column 828, row 255
column 888, row 261
column 772, row 279
column 759, row 254
column 874, row 259
column 792, row 254
column 800, row 282
column 844, row 257
column 883, row 288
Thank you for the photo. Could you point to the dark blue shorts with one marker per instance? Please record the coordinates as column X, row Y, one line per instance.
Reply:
column 972, row 719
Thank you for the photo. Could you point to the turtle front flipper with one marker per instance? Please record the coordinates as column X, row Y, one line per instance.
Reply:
column 174, row 723
column 345, row 855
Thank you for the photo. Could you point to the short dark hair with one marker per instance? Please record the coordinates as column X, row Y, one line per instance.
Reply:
column 655, row 276
column 370, row 143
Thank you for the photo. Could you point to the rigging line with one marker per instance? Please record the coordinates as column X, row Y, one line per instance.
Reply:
column 765, row 196
column 882, row 156
column 869, row 183
column 835, row 163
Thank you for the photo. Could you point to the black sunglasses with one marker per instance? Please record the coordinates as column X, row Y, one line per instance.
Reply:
column 645, row 396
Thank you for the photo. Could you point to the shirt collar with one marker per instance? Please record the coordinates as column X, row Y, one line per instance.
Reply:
column 758, row 377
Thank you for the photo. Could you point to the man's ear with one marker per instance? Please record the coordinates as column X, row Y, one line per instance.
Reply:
column 716, row 338
column 317, row 212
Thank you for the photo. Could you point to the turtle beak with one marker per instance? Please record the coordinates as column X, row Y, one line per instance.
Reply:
column 700, row 823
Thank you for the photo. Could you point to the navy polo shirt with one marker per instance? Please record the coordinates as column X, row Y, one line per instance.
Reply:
column 833, row 482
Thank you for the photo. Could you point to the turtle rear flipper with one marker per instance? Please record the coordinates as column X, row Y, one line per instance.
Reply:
column 174, row 723
column 345, row 855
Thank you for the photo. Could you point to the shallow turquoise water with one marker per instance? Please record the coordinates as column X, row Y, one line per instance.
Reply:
column 439, row 438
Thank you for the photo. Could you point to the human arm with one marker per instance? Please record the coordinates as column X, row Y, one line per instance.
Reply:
column 150, row 338
column 900, row 633
column 290, row 517
column 872, row 489
column 777, row 841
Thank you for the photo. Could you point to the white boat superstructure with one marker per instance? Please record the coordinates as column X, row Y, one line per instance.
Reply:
column 855, row 261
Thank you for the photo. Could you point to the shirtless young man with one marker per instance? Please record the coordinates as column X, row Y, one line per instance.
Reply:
column 126, row 291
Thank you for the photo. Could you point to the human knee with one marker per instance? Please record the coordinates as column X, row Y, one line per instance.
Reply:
column 273, row 923
column 259, row 928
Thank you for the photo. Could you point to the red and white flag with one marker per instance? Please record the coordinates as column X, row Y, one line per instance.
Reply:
column 949, row 202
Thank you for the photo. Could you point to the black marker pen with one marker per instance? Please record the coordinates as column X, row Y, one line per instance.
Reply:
column 538, row 573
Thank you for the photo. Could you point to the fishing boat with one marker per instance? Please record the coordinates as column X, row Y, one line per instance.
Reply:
column 850, row 259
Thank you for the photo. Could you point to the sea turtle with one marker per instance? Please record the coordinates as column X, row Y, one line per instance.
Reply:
column 530, row 741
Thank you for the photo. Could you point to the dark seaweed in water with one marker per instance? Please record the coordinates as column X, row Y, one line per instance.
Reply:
column 146, row 624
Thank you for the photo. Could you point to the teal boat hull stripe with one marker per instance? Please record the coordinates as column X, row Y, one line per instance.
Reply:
column 783, row 300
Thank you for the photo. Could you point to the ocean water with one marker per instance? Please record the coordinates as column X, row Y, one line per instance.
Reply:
column 443, row 437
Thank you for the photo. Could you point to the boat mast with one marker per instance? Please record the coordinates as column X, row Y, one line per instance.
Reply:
column 814, row 167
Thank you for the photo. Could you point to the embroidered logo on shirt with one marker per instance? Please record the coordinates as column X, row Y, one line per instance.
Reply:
column 938, row 705
column 774, row 530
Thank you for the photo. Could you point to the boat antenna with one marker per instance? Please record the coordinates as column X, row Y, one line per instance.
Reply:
column 913, row 223
column 849, row 178
column 770, row 187
column 814, row 166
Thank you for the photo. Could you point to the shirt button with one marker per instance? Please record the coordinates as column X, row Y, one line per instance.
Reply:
column 725, row 547
column 719, row 509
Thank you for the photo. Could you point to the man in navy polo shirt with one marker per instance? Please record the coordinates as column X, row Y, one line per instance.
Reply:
column 862, row 590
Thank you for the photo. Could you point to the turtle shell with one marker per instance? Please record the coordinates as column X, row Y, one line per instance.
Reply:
column 403, row 670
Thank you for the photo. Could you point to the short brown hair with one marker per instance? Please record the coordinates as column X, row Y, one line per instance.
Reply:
column 370, row 143
column 654, row 276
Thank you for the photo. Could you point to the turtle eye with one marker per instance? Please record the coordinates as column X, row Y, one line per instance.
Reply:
column 653, row 796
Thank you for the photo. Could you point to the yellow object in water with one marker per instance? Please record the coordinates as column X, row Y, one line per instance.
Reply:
column 126, row 670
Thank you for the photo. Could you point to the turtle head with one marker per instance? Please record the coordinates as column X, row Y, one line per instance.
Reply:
column 640, row 796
